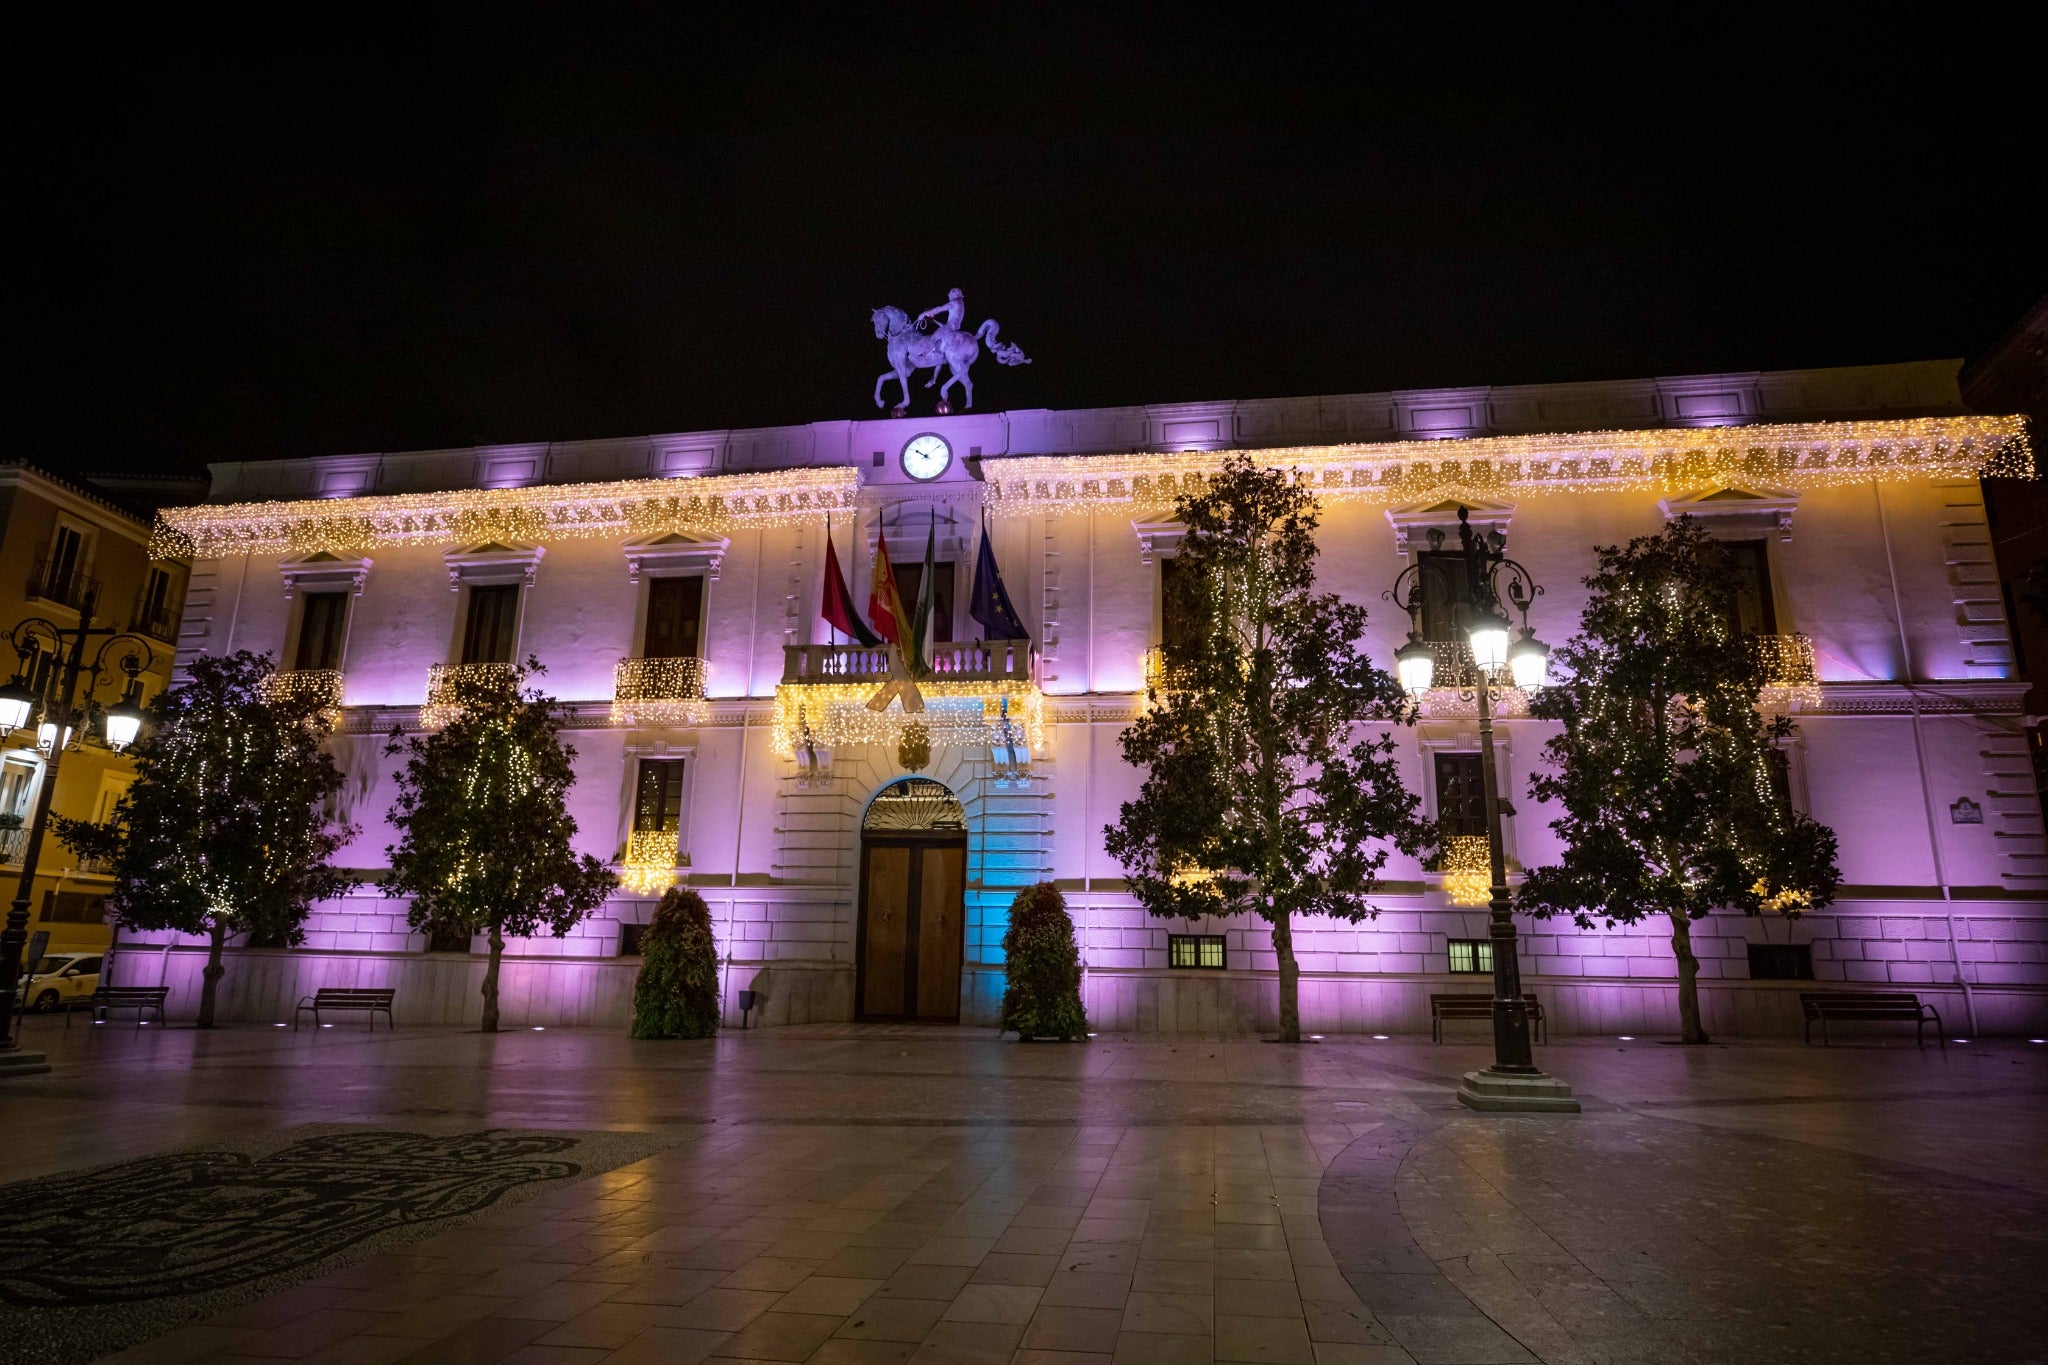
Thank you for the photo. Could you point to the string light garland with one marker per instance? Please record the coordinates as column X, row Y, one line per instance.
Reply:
column 1467, row 867
column 963, row 714
column 652, row 857
column 1789, row 456
column 315, row 687
column 1790, row 673
column 666, row 692
column 633, row 507
column 448, row 684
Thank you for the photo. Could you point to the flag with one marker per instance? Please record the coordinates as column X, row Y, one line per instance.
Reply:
column 927, row 597
column 836, row 603
column 989, row 603
column 885, row 608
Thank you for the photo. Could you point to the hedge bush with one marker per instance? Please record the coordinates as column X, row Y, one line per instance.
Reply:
column 677, row 994
column 1042, row 995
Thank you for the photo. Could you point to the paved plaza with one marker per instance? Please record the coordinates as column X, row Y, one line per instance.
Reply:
column 845, row 1194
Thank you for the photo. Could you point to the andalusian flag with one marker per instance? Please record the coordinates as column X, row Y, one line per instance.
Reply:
column 927, row 597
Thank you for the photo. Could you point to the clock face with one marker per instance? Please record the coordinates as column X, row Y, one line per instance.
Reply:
column 926, row 457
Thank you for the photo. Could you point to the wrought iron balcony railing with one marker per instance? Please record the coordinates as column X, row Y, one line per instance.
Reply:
column 13, row 845
column 1161, row 672
column 1790, row 672
column 62, row 582
column 651, row 859
column 449, row 684
column 658, row 692
column 158, row 622
column 322, row 687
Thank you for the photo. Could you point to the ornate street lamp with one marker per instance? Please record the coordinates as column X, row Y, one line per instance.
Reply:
column 1478, row 586
column 67, row 711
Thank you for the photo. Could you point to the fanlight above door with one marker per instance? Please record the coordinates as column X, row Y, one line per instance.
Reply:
column 914, row 805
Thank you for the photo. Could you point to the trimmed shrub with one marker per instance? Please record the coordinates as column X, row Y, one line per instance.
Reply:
column 1042, row 994
column 677, row 994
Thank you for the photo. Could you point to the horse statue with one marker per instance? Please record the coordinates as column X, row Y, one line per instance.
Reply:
column 950, row 347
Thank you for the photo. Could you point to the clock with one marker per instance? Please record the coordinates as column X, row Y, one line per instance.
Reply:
column 926, row 457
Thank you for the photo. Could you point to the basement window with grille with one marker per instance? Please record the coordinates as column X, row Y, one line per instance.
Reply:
column 1471, row 955
column 1780, row 962
column 1195, row 950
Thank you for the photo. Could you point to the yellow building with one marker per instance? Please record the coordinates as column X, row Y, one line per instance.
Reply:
column 60, row 542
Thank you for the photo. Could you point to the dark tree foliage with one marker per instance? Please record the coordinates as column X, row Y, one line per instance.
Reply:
column 484, row 830
column 227, row 828
column 1270, row 778
column 1042, row 968
column 677, row 993
column 1669, row 804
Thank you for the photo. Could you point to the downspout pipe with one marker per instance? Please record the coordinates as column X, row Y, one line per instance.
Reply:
column 1920, row 753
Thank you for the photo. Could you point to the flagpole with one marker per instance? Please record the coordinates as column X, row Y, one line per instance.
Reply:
column 831, row 631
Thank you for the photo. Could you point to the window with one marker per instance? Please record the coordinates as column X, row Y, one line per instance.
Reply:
column 1443, row 581
column 1781, row 962
column 658, row 800
column 629, row 939
column 74, row 907
column 16, row 783
column 1461, row 794
column 1749, row 611
column 1471, row 956
column 491, row 632
column 63, row 574
column 447, row 938
column 322, row 620
column 156, row 612
column 1779, row 764
column 910, row 580
column 675, row 610
column 1177, row 625
column 1195, row 950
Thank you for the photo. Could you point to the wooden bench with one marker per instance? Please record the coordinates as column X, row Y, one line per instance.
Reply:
column 1442, row 1007
column 141, row 999
column 340, row 999
column 1903, row 1006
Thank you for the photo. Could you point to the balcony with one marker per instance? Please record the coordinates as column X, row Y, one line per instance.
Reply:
column 1161, row 673
column 658, row 692
column 978, row 693
column 449, row 685
column 62, row 582
column 1467, row 869
column 652, row 857
column 318, row 688
column 1791, row 678
column 13, row 846
column 158, row 622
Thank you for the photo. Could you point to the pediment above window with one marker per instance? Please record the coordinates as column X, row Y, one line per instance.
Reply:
column 1736, row 513
column 1413, row 523
column 492, row 564
column 1158, row 539
column 673, row 556
column 324, row 572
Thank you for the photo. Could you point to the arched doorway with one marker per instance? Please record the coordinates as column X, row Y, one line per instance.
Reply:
column 913, row 907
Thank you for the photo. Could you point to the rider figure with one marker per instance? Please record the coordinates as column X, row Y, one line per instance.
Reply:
column 955, row 309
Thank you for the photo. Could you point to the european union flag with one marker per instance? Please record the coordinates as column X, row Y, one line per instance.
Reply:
column 989, row 603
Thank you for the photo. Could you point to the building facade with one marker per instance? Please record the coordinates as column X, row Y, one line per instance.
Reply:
column 860, row 864
column 62, row 543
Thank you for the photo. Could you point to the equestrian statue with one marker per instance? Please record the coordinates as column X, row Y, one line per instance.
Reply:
column 949, row 346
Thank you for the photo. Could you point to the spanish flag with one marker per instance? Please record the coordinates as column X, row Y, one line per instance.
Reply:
column 885, row 607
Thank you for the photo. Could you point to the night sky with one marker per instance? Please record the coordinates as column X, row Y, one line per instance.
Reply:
column 338, row 241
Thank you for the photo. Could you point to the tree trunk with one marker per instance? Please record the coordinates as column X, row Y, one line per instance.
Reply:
column 1290, row 980
column 1689, row 1030
column 209, row 980
column 491, row 980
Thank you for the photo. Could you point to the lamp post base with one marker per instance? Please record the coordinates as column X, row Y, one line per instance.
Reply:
column 21, row 1062
column 1495, row 1093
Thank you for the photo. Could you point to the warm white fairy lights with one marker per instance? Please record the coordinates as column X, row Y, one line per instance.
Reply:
column 652, row 857
column 662, row 692
column 1467, row 868
column 1790, row 674
column 960, row 714
column 315, row 687
column 1789, row 456
column 635, row 507
column 448, row 684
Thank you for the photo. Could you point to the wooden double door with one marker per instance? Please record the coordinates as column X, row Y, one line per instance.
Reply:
column 913, row 926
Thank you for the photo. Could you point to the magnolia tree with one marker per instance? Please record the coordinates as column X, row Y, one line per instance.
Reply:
column 228, row 826
column 1663, row 773
column 1270, row 779
column 484, row 829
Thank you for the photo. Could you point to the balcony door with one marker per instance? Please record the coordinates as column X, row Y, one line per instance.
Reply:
column 675, row 612
column 913, row 912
